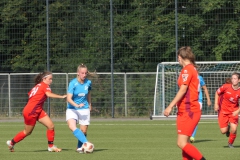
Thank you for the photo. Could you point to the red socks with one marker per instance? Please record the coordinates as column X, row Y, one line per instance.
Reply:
column 192, row 152
column 185, row 156
column 20, row 136
column 232, row 137
column 50, row 137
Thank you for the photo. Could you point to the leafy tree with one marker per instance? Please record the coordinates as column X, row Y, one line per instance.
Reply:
column 144, row 33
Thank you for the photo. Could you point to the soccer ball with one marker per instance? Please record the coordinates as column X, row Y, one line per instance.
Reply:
column 87, row 147
column 192, row 139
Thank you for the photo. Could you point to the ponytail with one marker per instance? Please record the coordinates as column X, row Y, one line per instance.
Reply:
column 38, row 78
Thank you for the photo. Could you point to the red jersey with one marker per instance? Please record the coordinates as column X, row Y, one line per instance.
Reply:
column 189, row 102
column 228, row 98
column 37, row 98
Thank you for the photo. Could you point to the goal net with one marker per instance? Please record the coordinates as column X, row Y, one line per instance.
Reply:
column 213, row 73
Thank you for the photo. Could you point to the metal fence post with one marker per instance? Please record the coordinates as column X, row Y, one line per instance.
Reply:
column 125, row 92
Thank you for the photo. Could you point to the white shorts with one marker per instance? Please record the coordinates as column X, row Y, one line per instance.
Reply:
column 82, row 116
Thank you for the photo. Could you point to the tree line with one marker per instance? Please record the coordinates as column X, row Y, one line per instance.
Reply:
column 143, row 33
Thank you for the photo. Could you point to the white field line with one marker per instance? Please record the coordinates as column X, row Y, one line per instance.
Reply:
column 122, row 124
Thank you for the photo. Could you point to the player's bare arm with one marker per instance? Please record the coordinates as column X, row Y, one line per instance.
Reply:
column 89, row 100
column 236, row 112
column 69, row 99
column 209, row 103
column 53, row 95
column 216, row 106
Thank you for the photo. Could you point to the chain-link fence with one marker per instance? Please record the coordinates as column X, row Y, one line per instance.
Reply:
column 132, row 96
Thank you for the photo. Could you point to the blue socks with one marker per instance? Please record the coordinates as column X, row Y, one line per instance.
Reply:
column 79, row 145
column 80, row 136
column 194, row 132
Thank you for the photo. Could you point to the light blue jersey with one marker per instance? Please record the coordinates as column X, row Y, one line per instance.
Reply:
column 202, row 83
column 79, row 92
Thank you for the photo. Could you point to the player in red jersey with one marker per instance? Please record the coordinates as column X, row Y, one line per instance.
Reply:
column 33, row 111
column 227, row 104
column 189, row 112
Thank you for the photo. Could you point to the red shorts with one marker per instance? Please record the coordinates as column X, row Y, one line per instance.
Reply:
column 31, row 119
column 186, row 122
column 224, row 119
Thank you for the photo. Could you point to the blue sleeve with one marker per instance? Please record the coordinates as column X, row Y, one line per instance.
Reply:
column 202, row 83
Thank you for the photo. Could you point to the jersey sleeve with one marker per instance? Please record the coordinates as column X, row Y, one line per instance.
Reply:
column 186, row 76
column 202, row 83
column 221, row 89
column 47, row 89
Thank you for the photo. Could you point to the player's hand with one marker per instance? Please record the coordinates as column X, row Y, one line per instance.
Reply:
column 235, row 113
column 64, row 96
column 80, row 105
column 216, row 107
column 209, row 103
column 167, row 111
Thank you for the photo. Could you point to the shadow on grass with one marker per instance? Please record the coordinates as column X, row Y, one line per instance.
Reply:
column 95, row 150
column 99, row 150
column 233, row 146
column 203, row 140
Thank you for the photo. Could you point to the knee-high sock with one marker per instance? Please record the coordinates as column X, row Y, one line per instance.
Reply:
column 79, row 135
column 195, row 131
column 232, row 137
column 79, row 145
column 185, row 156
column 50, row 137
column 20, row 136
column 192, row 152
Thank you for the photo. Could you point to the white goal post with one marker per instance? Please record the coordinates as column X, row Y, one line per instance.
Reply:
column 213, row 73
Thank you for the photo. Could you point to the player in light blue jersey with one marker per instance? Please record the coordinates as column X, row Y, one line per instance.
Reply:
column 200, row 100
column 79, row 105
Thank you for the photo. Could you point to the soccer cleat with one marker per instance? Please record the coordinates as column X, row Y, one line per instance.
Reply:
column 80, row 150
column 54, row 149
column 192, row 139
column 10, row 146
column 230, row 145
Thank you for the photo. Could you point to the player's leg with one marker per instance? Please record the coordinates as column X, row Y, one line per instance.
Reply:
column 28, row 128
column 185, row 156
column 76, row 132
column 228, row 131
column 185, row 127
column 83, row 128
column 71, row 117
column 188, row 149
column 223, row 121
column 233, row 130
column 47, row 122
column 84, row 121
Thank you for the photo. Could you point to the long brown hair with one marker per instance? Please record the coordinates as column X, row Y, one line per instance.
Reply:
column 228, row 81
column 38, row 78
column 186, row 53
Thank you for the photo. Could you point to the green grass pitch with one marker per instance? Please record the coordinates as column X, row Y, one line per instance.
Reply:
column 118, row 140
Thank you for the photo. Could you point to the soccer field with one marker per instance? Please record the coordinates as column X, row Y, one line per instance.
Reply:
column 118, row 140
